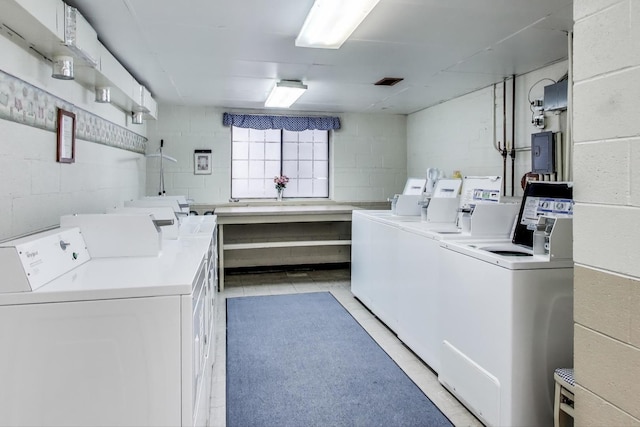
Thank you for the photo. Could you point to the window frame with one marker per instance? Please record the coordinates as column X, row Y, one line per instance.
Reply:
column 281, row 165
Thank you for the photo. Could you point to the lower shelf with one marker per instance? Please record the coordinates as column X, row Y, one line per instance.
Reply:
column 290, row 244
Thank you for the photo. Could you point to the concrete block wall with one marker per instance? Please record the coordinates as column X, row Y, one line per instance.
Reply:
column 461, row 134
column 455, row 135
column 367, row 155
column 607, row 192
column 35, row 190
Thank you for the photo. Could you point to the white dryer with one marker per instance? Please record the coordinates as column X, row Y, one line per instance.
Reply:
column 183, row 202
column 198, row 227
column 178, row 204
column 102, row 341
column 509, row 315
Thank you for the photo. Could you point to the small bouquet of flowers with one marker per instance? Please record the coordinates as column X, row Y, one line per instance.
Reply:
column 281, row 182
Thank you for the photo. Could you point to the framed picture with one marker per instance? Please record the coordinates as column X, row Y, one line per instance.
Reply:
column 202, row 162
column 66, row 136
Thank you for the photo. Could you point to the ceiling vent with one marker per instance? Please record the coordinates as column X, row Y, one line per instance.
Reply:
column 388, row 81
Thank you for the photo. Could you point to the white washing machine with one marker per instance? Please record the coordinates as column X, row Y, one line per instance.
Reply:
column 420, row 320
column 510, row 315
column 102, row 341
column 396, row 259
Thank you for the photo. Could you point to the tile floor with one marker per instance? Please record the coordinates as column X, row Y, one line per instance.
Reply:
column 336, row 281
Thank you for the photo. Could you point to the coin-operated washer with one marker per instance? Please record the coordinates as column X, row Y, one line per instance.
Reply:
column 395, row 269
column 117, row 339
column 510, row 313
column 478, row 213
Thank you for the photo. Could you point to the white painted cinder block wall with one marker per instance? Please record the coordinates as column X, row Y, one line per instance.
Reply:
column 460, row 134
column 607, row 193
column 373, row 154
column 34, row 189
column 368, row 154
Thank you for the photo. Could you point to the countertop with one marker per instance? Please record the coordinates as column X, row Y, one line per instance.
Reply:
column 283, row 210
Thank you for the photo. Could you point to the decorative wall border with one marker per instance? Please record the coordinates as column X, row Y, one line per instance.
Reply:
column 24, row 103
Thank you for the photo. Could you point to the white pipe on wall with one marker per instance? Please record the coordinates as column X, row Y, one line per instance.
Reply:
column 568, row 140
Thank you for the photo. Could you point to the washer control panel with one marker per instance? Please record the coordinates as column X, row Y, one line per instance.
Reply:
column 33, row 261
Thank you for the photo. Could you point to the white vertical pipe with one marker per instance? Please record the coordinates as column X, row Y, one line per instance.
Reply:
column 568, row 140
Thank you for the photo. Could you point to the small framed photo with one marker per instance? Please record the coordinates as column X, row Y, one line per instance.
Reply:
column 202, row 162
column 66, row 136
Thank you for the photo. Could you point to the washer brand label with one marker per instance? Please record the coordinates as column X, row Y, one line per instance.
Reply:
column 31, row 254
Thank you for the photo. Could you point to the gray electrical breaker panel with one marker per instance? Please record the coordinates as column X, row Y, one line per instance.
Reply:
column 555, row 96
column 543, row 151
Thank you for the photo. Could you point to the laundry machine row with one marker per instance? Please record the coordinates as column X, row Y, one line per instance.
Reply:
column 117, row 339
column 395, row 259
column 493, row 329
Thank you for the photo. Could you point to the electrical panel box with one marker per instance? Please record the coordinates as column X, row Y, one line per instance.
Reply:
column 555, row 96
column 543, row 151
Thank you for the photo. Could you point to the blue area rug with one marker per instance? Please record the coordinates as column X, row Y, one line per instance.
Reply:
column 302, row 360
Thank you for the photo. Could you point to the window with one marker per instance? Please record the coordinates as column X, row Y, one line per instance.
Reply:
column 260, row 155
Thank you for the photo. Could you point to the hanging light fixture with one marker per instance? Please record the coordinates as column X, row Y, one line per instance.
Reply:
column 103, row 94
column 331, row 22
column 62, row 67
column 136, row 117
column 285, row 93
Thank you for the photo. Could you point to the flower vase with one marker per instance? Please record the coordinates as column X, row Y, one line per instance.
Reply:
column 279, row 194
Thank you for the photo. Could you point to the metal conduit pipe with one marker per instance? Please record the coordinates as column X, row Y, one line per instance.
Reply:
column 496, row 143
column 503, row 150
column 512, row 153
column 567, row 167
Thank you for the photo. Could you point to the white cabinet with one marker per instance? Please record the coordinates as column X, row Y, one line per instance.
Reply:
column 52, row 28
column 147, row 103
column 49, row 14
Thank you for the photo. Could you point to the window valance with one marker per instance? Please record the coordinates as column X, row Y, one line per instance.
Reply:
column 297, row 124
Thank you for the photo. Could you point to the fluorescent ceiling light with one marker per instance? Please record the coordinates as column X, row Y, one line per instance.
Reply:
column 285, row 93
column 331, row 22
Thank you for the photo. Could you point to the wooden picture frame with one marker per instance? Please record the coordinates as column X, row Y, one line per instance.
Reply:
column 202, row 162
column 66, row 136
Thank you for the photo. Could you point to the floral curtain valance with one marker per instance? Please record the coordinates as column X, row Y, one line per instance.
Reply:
column 296, row 124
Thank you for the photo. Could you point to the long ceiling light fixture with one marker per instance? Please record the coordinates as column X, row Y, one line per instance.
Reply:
column 285, row 93
column 331, row 22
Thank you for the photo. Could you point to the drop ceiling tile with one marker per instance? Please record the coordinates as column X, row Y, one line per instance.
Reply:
column 526, row 51
column 227, row 53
